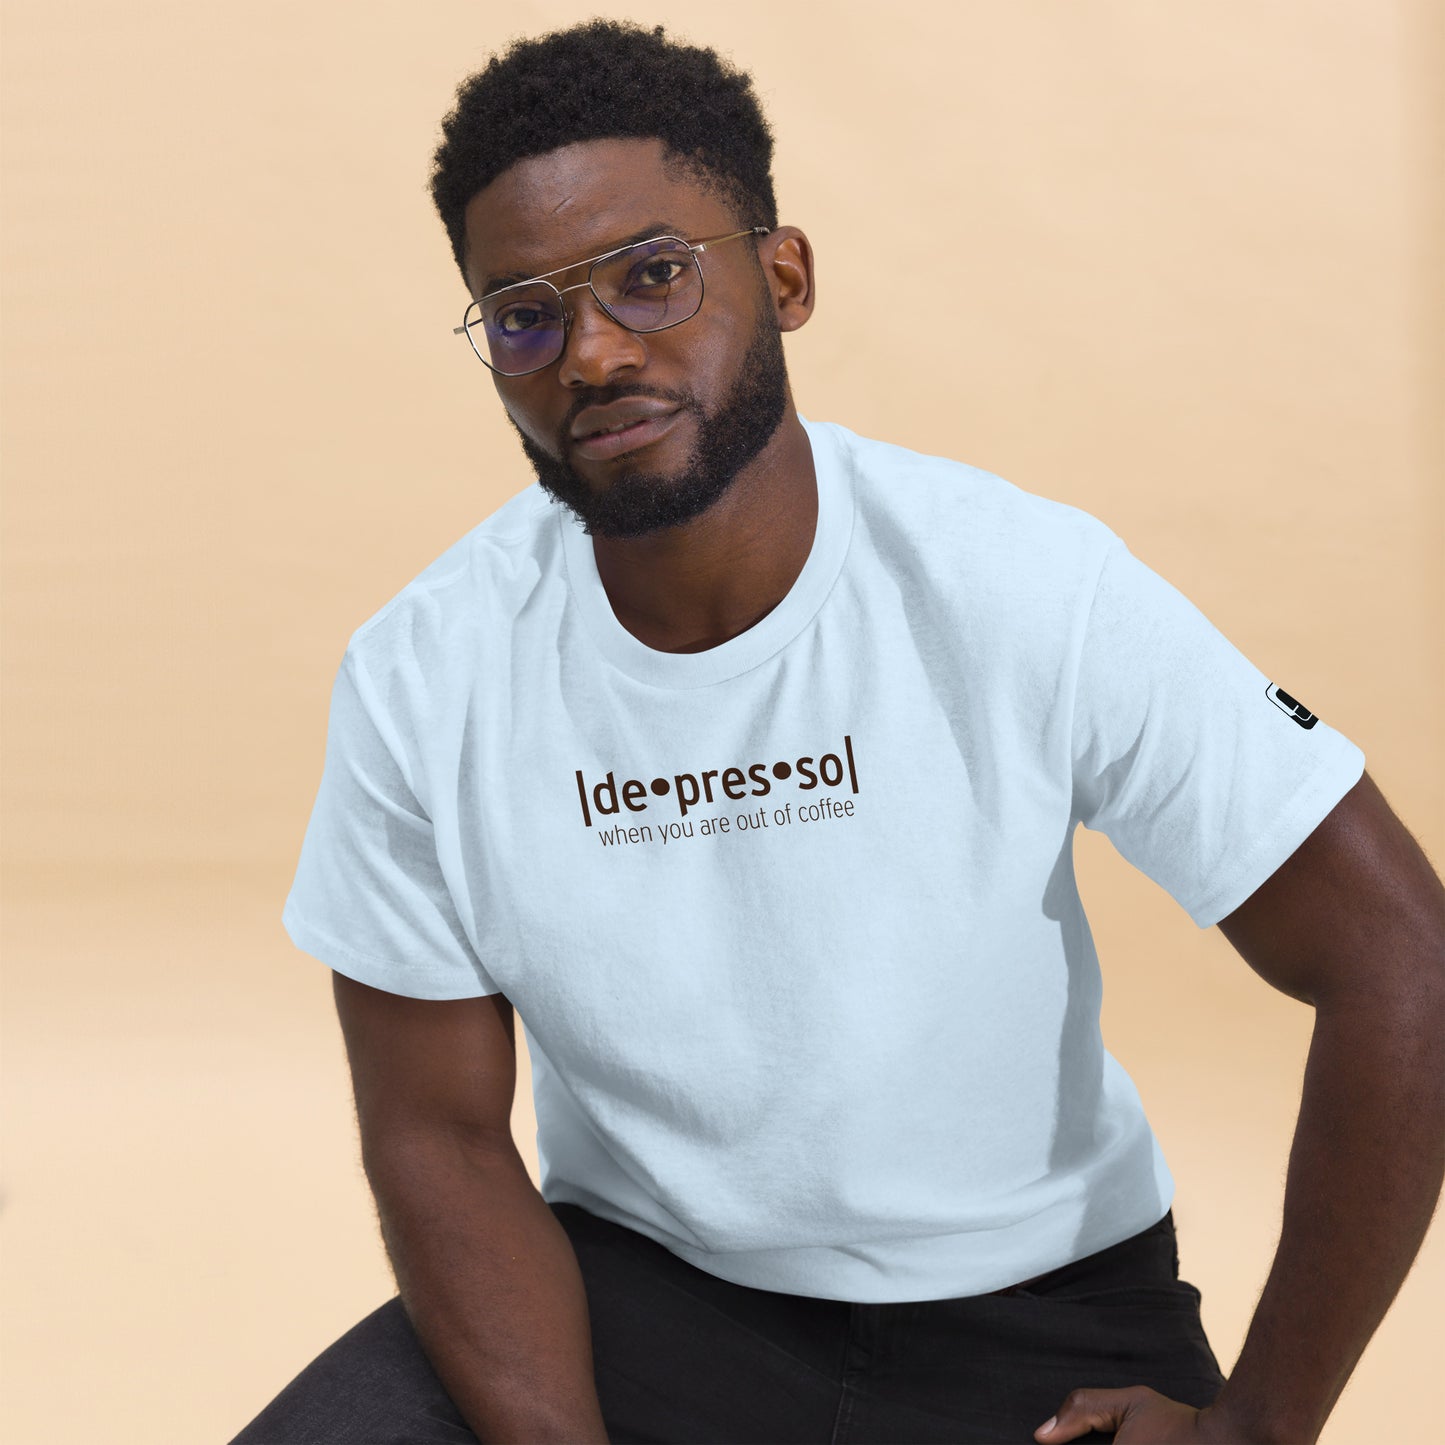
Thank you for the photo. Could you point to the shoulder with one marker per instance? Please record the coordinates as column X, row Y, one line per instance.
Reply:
column 496, row 557
column 430, row 636
column 937, row 513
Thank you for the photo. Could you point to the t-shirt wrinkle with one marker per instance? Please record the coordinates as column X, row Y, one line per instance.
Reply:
column 385, row 728
column 1078, row 641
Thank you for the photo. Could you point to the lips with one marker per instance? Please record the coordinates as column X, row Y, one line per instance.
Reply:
column 621, row 413
column 638, row 430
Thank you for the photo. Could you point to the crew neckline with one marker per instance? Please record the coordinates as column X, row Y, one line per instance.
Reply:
column 832, row 466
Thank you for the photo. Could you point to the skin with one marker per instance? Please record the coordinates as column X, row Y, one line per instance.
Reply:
column 696, row 584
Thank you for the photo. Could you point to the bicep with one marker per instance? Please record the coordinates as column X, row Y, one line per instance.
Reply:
column 420, row 1067
column 1355, row 911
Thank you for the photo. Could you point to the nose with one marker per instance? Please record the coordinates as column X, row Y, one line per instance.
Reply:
column 597, row 347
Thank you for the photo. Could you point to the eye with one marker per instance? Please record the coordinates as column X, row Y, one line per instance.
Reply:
column 519, row 318
column 658, row 271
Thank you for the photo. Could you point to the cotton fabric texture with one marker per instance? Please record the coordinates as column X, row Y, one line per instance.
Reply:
column 791, row 924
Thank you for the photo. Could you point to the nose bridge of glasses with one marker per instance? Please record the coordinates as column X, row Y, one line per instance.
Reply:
column 604, row 299
column 580, row 328
column 580, row 286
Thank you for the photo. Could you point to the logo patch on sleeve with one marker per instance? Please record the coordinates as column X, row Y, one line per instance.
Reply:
column 1286, row 704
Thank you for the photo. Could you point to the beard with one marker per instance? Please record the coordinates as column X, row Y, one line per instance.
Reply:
column 636, row 501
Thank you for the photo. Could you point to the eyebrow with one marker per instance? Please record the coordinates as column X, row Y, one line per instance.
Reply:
column 657, row 228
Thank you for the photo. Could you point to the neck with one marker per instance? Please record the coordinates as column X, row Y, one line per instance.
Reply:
column 695, row 586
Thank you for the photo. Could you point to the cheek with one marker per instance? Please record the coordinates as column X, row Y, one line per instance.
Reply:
column 729, row 336
column 704, row 363
column 729, row 313
column 523, row 417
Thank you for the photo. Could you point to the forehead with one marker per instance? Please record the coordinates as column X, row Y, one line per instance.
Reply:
column 577, row 201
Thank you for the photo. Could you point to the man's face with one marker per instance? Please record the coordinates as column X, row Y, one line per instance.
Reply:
column 722, row 370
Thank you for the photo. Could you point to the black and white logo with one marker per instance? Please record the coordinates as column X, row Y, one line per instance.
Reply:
column 1286, row 704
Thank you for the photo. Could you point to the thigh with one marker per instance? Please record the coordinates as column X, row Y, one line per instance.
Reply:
column 992, row 1368
column 373, row 1386
column 684, row 1357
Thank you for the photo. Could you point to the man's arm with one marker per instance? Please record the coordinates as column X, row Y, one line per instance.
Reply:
column 487, row 1275
column 1353, row 924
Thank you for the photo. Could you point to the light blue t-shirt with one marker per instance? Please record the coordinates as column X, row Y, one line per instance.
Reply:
column 791, row 924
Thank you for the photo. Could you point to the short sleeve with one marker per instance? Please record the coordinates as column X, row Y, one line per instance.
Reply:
column 369, row 898
column 1202, row 772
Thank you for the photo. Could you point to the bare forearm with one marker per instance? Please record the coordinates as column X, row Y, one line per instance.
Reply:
column 491, row 1285
column 1365, row 1172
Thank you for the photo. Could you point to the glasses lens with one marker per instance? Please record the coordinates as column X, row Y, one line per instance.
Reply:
column 651, row 285
column 517, row 330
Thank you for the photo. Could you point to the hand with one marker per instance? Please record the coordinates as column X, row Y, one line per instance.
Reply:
column 1139, row 1416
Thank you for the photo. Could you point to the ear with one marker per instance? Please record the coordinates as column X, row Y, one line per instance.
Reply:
column 787, row 259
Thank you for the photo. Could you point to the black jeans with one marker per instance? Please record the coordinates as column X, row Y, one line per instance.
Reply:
column 683, row 1356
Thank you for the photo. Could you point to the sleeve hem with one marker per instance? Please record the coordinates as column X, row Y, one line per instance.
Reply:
column 1308, row 810
column 407, row 980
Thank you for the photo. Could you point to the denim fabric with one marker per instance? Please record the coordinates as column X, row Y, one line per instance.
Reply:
column 683, row 1356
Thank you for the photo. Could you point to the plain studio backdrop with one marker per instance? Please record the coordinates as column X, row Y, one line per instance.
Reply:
column 1175, row 264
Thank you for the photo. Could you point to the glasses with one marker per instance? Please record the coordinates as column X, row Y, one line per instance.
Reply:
column 647, row 286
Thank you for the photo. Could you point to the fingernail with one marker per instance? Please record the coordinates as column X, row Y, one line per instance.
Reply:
column 1048, row 1425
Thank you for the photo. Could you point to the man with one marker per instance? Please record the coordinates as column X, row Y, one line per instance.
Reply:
column 748, row 775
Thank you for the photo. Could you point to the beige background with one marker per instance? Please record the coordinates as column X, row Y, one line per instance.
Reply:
column 1189, row 260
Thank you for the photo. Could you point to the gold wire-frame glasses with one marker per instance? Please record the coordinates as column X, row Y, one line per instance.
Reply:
column 553, row 338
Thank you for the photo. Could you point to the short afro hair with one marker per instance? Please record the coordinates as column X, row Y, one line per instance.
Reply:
column 599, row 80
